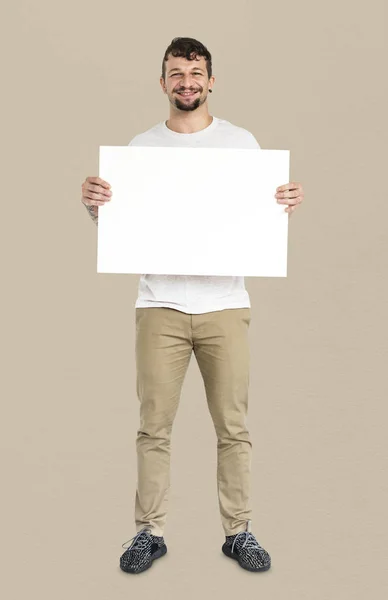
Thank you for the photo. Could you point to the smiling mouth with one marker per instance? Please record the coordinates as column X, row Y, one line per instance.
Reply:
column 187, row 95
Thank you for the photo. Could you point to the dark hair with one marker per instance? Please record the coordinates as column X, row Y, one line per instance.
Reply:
column 186, row 47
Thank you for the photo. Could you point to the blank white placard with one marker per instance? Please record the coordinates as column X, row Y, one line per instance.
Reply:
column 193, row 211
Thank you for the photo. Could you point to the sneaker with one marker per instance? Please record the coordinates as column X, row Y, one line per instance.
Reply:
column 145, row 548
column 245, row 548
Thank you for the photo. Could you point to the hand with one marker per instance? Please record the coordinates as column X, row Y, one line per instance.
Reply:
column 291, row 194
column 95, row 192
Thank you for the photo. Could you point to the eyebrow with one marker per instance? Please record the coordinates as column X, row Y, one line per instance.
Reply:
column 194, row 68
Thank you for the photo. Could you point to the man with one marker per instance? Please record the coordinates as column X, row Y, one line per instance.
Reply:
column 176, row 315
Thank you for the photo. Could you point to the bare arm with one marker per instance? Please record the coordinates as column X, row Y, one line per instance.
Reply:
column 93, row 212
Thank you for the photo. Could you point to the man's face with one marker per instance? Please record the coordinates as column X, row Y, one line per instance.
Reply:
column 186, row 76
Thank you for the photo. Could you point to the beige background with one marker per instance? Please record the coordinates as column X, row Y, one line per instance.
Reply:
column 303, row 76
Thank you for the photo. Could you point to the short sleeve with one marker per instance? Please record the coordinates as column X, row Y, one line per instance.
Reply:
column 252, row 141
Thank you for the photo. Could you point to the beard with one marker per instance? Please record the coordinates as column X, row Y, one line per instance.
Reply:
column 188, row 106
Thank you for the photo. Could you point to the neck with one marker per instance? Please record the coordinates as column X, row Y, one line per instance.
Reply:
column 189, row 122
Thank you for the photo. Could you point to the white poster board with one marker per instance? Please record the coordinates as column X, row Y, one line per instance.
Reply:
column 193, row 211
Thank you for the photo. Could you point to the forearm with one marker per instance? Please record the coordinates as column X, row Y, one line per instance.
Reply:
column 93, row 212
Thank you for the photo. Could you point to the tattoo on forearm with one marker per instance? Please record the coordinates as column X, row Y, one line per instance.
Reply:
column 92, row 213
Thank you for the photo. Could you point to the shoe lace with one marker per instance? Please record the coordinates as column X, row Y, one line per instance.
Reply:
column 250, row 540
column 140, row 540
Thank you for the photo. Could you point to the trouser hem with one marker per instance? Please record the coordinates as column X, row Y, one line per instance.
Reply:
column 154, row 530
column 235, row 530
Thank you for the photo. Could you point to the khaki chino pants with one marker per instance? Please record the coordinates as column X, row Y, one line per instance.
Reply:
column 165, row 339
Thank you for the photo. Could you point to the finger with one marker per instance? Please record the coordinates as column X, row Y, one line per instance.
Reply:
column 90, row 195
column 98, row 181
column 98, row 189
column 97, row 197
column 288, row 186
column 288, row 194
column 290, row 201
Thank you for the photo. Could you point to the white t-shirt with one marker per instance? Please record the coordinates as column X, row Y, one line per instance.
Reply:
column 195, row 294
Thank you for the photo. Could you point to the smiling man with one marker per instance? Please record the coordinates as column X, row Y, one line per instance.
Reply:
column 176, row 315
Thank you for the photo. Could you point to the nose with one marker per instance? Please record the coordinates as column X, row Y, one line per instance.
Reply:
column 186, row 82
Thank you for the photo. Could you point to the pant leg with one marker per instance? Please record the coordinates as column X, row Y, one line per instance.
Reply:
column 163, row 352
column 221, row 347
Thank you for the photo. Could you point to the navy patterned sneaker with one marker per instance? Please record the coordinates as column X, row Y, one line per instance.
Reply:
column 145, row 548
column 245, row 548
